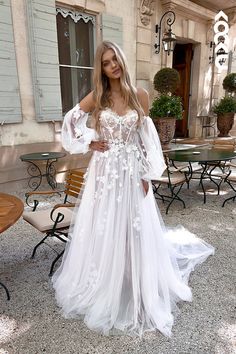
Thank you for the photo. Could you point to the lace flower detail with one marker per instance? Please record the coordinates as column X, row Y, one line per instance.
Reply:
column 114, row 174
column 119, row 198
column 137, row 223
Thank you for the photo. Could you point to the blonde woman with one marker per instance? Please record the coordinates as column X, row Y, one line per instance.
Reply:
column 121, row 269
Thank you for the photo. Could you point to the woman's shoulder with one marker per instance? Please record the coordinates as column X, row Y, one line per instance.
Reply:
column 141, row 92
column 143, row 98
column 87, row 104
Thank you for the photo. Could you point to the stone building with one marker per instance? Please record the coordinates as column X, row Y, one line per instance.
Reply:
column 47, row 50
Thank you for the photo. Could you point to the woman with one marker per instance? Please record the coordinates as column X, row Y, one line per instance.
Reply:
column 121, row 270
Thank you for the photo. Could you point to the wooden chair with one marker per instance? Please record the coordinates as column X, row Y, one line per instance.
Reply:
column 224, row 144
column 174, row 179
column 55, row 221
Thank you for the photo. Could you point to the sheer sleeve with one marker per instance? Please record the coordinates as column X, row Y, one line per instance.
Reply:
column 75, row 135
column 152, row 155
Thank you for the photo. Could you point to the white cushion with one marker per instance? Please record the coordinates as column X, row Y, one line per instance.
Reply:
column 232, row 177
column 175, row 178
column 41, row 220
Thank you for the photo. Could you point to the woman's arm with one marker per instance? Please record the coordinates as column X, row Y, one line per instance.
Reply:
column 143, row 98
column 87, row 104
column 75, row 135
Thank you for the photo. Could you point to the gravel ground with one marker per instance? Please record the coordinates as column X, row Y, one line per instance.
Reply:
column 30, row 323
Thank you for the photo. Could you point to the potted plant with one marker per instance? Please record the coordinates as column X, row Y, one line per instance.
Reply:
column 229, row 83
column 225, row 110
column 166, row 107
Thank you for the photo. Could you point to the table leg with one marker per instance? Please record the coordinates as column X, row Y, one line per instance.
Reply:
column 211, row 175
column 35, row 176
column 204, row 172
column 50, row 173
column 7, row 292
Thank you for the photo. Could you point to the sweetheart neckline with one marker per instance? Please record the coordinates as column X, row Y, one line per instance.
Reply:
column 118, row 115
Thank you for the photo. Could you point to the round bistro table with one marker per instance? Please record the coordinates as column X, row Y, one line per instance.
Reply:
column 35, row 172
column 204, row 157
column 11, row 208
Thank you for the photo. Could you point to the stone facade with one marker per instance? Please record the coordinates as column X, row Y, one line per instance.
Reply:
column 193, row 24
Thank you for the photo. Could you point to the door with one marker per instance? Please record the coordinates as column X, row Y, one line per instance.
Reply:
column 182, row 59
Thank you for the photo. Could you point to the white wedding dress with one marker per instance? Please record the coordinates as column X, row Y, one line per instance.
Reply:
column 122, row 270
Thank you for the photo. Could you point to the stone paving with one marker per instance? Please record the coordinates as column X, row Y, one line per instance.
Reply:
column 31, row 323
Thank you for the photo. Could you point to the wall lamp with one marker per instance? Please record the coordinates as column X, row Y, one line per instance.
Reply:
column 169, row 38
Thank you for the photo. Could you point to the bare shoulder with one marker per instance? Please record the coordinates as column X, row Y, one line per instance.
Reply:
column 143, row 98
column 87, row 104
column 141, row 92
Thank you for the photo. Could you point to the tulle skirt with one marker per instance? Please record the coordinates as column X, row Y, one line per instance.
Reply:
column 122, row 269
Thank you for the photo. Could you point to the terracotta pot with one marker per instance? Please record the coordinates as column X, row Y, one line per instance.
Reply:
column 225, row 123
column 166, row 130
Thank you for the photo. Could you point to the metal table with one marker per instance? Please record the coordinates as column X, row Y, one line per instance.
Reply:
column 36, row 173
column 203, row 156
column 180, row 146
column 11, row 208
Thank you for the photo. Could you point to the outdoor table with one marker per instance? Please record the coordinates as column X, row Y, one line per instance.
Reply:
column 11, row 208
column 204, row 157
column 36, row 173
column 179, row 146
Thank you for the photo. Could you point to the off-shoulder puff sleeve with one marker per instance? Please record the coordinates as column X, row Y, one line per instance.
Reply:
column 153, row 160
column 75, row 135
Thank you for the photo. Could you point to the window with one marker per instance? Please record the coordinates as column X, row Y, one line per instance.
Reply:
column 75, row 33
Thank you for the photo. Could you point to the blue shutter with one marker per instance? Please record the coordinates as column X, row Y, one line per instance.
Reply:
column 44, row 59
column 112, row 29
column 10, row 104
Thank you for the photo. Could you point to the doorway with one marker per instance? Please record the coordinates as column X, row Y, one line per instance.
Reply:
column 182, row 59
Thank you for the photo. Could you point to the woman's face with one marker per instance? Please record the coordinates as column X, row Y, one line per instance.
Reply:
column 110, row 65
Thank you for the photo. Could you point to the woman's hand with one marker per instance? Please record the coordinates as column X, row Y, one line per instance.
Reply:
column 145, row 186
column 99, row 145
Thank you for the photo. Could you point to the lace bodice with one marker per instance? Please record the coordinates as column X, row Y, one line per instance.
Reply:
column 116, row 128
column 124, row 136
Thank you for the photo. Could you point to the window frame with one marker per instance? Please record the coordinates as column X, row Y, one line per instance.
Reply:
column 77, row 16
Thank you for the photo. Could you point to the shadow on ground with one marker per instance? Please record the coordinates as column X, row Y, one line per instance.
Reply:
column 31, row 323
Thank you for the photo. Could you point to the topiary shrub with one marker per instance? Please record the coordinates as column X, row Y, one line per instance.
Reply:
column 166, row 81
column 225, row 105
column 229, row 82
column 166, row 106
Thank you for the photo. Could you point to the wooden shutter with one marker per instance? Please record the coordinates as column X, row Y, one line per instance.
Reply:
column 112, row 29
column 10, row 104
column 232, row 62
column 44, row 58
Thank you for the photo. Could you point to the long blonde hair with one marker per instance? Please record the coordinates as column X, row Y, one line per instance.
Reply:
column 102, row 86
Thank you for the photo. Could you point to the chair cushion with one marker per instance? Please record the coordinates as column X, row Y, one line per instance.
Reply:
column 175, row 178
column 232, row 177
column 41, row 220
